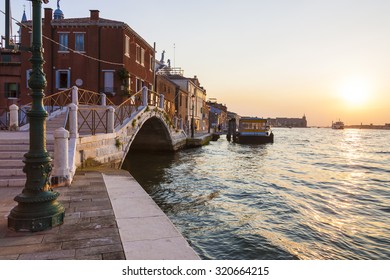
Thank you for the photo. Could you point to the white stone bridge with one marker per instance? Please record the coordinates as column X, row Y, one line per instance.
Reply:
column 88, row 129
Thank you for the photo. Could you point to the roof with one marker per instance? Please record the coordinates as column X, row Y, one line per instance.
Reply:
column 87, row 21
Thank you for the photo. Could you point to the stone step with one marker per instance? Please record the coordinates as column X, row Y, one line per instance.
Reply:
column 11, row 172
column 11, row 155
column 21, row 147
column 22, row 140
column 12, row 182
column 11, row 163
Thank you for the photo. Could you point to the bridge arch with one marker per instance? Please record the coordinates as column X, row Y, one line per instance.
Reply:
column 153, row 136
column 153, row 133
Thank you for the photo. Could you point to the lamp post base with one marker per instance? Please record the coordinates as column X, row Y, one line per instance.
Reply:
column 36, row 216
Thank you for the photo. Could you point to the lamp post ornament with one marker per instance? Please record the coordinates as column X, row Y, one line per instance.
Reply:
column 38, row 208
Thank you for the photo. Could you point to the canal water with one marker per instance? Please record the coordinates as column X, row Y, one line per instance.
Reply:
column 313, row 194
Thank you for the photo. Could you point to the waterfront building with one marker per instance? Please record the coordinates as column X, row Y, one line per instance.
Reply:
column 288, row 122
column 169, row 89
column 188, row 92
column 197, row 98
column 10, row 65
column 94, row 53
column 9, row 83
column 218, row 115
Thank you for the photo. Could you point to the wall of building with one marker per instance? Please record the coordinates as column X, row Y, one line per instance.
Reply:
column 104, row 41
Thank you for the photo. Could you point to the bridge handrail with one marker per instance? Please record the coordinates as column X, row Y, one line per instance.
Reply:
column 127, row 108
column 51, row 103
column 92, row 119
column 61, row 99
column 4, row 118
column 153, row 98
column 87, row 97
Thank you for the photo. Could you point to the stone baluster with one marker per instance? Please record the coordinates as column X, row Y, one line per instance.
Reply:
column 60, row 175
column 144, row 96
column 75, row 95
column 103, row 99
column 162, row 101
column 13, row 117
column 73, row 124
column 110, row 120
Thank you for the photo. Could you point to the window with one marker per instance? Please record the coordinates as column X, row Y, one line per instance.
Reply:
column 5, row 58
column 63, row 42
column 79, row 42
column 108, row 81
column 62, row 79
column 142, row 57
column 139, row 84
column 140, row 54
column 11, row 90
column 127, row 46
column 151, row 63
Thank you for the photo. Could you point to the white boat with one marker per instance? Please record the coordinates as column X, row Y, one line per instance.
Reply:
column 338, row 125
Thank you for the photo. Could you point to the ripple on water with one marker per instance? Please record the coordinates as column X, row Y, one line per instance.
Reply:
column 313, row 194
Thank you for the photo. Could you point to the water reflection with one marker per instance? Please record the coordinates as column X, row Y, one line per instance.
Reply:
column 313, row 194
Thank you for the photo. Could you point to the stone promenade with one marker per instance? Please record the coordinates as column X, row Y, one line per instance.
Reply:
column 96, row 203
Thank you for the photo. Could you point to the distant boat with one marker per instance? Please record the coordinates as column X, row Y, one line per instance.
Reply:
column 254, row 131
column 338, row 125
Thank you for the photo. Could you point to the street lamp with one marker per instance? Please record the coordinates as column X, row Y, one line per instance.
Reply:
column 38, row 208
column 192, row 118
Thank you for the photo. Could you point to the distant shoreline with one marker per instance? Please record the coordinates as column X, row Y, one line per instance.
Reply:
column 381, row 127
column 369, row 126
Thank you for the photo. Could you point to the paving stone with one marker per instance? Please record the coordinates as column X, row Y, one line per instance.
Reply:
column 50, row 255
column 11, row 233
column 89, row 203
column 73, row 215
column 90, row 257
column 114, row 256
column 9, row 257
column 25, row 249
column 146, row 228
column 69, row 221
column 100, row 213
column 109, row 223
column 81, row 234
column 161, row 249
column 87, row 243
column 22, row 240
column 99, row 250
column 106, row 206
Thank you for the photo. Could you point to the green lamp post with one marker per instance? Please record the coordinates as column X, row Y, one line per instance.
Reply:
column 38, row 208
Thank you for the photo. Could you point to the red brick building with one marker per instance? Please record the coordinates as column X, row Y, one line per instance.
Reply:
column 93, row 53
column 165, row 86
column 9, row 77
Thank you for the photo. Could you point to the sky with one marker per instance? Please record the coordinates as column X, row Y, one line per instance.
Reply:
column 327, row 59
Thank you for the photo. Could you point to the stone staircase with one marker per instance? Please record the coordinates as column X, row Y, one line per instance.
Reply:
column 13, row 146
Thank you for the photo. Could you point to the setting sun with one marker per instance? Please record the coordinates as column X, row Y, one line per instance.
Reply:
column 355, row 92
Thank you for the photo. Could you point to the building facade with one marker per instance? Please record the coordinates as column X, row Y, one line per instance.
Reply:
column 10, row 81
column 288, row 122
column 218, row 115
column 93, row 53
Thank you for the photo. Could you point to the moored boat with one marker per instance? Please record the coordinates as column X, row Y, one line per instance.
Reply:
column 254, row 131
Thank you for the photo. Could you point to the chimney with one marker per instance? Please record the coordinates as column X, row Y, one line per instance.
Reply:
column 48, row 15
column 94, row 14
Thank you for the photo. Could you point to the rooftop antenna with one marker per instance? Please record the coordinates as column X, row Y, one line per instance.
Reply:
column 174, row 55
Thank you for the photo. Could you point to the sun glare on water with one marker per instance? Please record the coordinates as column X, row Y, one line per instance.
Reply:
column 355, row 92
